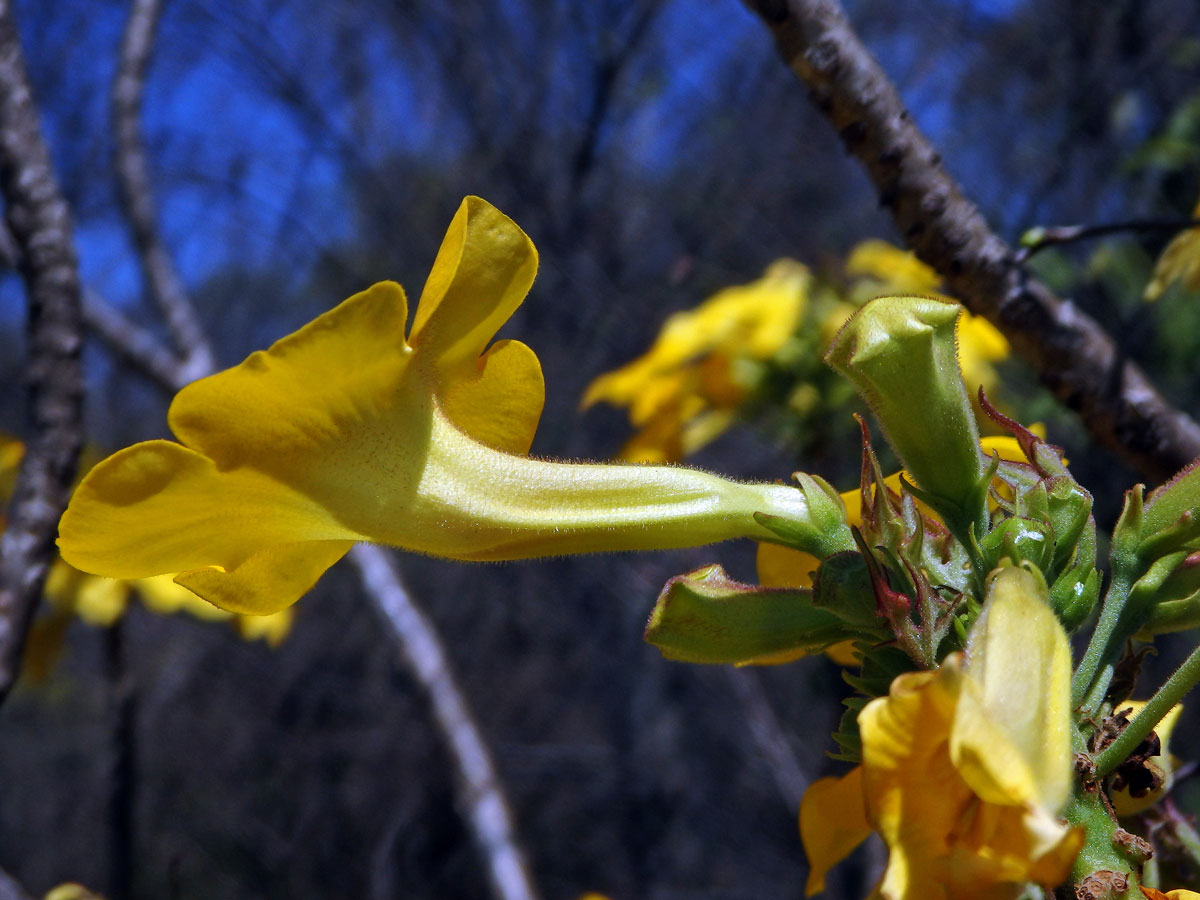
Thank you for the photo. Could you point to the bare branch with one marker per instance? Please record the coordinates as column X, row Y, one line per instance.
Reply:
column 40, row 224
column 134, row 344
column 1076, row 359
column 481, row 798
column 11, row 889
column 769, row 736
column 137, row 198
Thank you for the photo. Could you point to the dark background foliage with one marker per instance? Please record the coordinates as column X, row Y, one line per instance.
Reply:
column 655, row 150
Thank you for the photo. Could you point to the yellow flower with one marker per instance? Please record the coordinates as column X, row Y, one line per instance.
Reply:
column 345, row 431
column 1152, row 894
column 966, row 768
column 1180, row 261
column 1125, row 803
column 898, row 271
column 682, row 393
column 101, row 601
column 71, row 891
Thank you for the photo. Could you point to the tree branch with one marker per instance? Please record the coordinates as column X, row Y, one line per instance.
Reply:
column 1076, row 359
column 137, row 198
column 480, row 796
column 135, row 344
column 40, row 224
column 11, row 889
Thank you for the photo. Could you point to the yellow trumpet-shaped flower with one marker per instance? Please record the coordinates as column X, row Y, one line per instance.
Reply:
column 347, row 431
column 1177, row 894
column 683, row 391
column 964, row 769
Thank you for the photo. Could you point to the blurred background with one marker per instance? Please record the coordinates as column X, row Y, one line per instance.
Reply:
column 656, row 151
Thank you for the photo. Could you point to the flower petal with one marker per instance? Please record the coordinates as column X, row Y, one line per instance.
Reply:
column 157, row 507
column 270, row 580
column 780, row 566
column 482, row 272
column 162, row 595
column 501, row 405
column 1011, row 737
column 832, row 823
column 913, row 794
column 274, row 408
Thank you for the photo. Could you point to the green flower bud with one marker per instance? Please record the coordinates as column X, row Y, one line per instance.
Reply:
column 900, row 354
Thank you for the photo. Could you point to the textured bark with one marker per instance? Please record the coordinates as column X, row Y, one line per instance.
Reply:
column 40, row 225
column 1074, row 356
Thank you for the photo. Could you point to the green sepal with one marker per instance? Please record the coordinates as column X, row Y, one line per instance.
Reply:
column 1074, row 594
column 1176, row 610
column 1145, row 591
column 707, row 617
column 842, row 585
column 900, row 354
column 824, row 531
column 1128, row 534
column 1017, row 539
column 1169, row 501
column 1182, row 534
column 1069, row 511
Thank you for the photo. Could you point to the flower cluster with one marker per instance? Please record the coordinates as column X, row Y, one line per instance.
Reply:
column 950, row 589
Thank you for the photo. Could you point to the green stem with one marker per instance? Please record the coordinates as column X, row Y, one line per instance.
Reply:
column 1187, row 836
column 1184, row 679
column 1098, row 658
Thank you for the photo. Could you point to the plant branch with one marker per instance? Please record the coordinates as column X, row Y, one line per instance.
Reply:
column 481, row 798
column 137, row 197
column 40, row 225
column 11, row 889
column 1038, row 239
column 480, row 794
column 1076, row 359
column 1173, row 690
column 133, row 343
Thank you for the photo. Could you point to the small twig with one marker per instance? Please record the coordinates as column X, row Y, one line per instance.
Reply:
column 481, row 798
column 769, row 736
column 1074, row 356
column 40, row 225
column 134, row 344
column 11, row 889
column 1038, row 239
column 137, row 197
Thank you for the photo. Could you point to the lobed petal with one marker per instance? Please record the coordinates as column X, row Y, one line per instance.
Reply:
column 833, row 822
column 281, row 407
column 269, row 581
column 482, row 273
column 914, row 795
column 501, row 404
column 158, row 507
